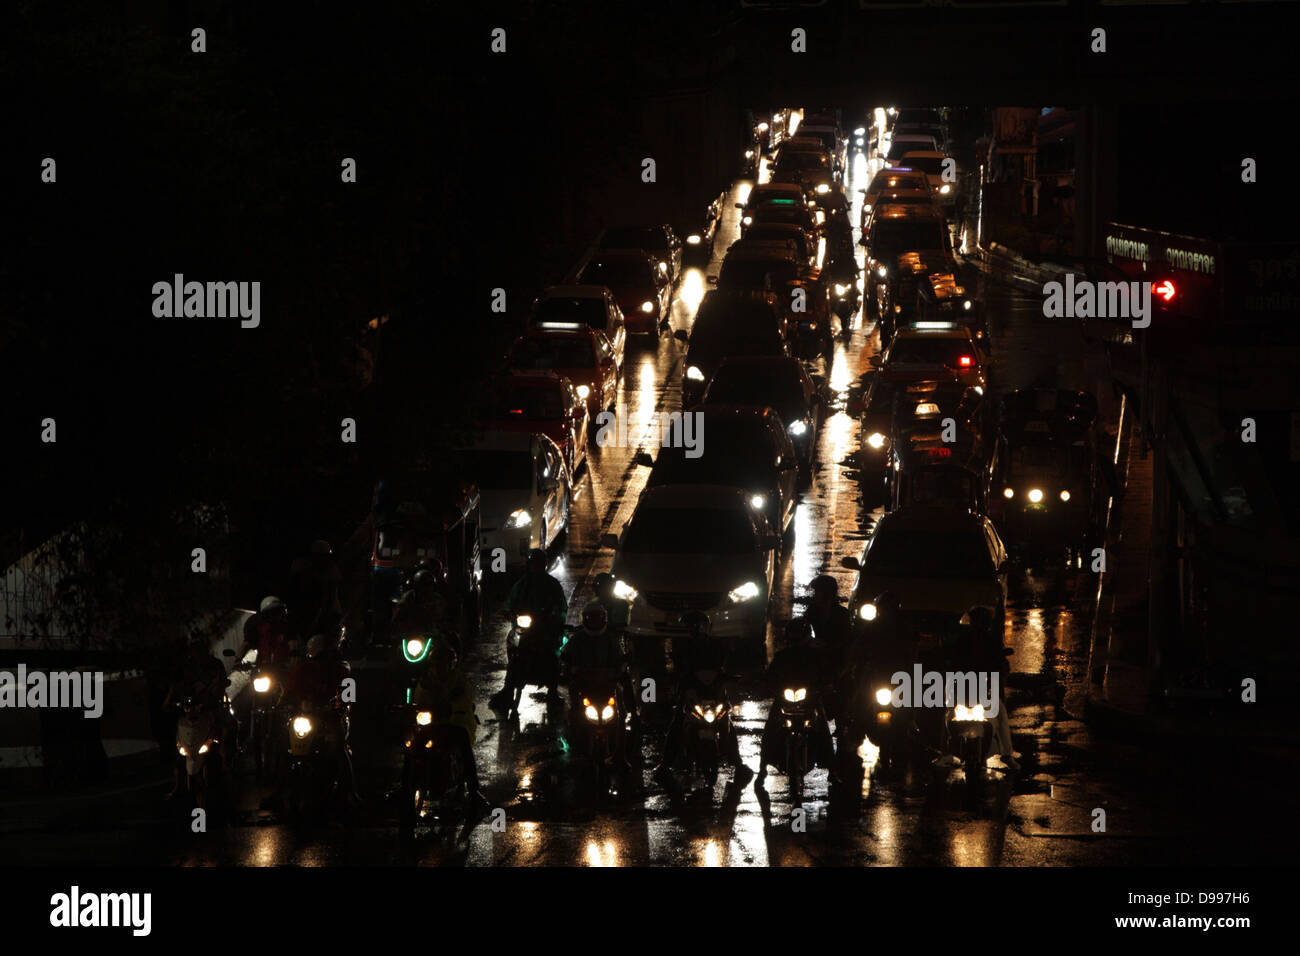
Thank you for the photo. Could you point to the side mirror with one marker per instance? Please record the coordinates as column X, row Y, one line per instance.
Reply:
column 740, row 205
column 609, row 541
column 851, row 563
column 643, row 458
column 681, row 335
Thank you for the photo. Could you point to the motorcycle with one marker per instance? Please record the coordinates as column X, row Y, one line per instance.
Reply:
column 198, row 738
column 433, row 779
column 265, row 721
column 314, row 771
column 604, row 718
column 528, row 660
column 798, row 712
column 706, row 727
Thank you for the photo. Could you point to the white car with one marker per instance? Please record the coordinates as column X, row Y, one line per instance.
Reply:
column 525, row 494
column 900, row 144
column 931, row 163
column 695, row 548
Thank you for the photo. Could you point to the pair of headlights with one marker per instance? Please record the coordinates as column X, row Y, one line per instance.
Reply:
column 603, row 716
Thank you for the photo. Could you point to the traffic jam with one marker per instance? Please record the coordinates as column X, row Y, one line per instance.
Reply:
column 774, row 543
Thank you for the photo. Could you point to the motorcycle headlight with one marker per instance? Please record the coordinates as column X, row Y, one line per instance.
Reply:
column 747, row 220
column 822, row 189
column 1008, row 493
column 647, row 306
column 882, row 272
column 424, row 718
column 876, row 440
column 857, row 141
column 624, row 591
column 591, row 713
column 757, row 502
column 261, row 684
column 945, row 189
column 867, row 612
column 1065, row 496
column 694, row 374
column 749, row 154
column 1036, row 495
column 961, row 712
column 203, row 749
column 883, row 697
column 762, row 127
column 520, row 518
column 607, row 713
column 745, row 592
column 966, row 304
column 415, row 648
column 184, row 752
column 842, row 289
column 795, row 694
column 663, row 267
column 301, row 726
column 524, row 621
column 798, row 427
column 584, row 391
column 693, row 240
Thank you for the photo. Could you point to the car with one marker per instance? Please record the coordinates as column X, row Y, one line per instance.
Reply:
column 923, row 354
column 894, row 405
column 938, row 562
column 806, row 167
column 900, row 144
column 1050, row 487
column 778, row 382
column 746, row 445
column 525, row 493
column 539, row 402
column 640, row 287
column 783, row 195
column 775, row 268
column 897, row 178
column 923, row 121
column 582, row 355
column 699, row 244
column 932, row 162
column 926, row 469
column 798, row 215
column 805, row 245
column 658, row 241
column 695, row 548
column 940, row 298
column 563, row 306
column 904, row 244
column 897, row 197
column 828, row 135
column 730, row 323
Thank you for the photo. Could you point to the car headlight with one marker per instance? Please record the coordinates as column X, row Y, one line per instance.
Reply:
column 745, row 592
column 183, row 751
column 647, row 306
column 876, row 440
column 747, row 220
column 693, row 240
column 945, row 189
column 415, row 649
column 822, row 189
column 1008, row 493
column 883, row 696
column 663, row 267
column 757, row 502
column 1036, row 495
column 519, row 518
column 749, row 154
column 961, row 712
column 261, row 684
column 524, row 621
column 867, row 612
column 795, row 694
column 882, row 272
column 798, row 427
column 584, row 391
column 624, row 591
column 842, row 289
column 966, row 304
column 301, row 726
column 694, row 374
column 1065, row 495
column 424, row 718
column 866, row 207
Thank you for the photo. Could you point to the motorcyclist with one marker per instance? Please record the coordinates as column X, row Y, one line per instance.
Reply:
column 702, row 673
column 877, row 648
column 314, row 581
column 423, row 610
column 595, row 659
column 444, row 692
column 540, row 596
column 978, row 647
column 798, row 664
column 315, row 683
column 267, row 632
column 202, row 677
column 617, row 607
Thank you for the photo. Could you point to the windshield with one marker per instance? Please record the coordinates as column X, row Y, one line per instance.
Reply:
column 690, row 531
column 552, row 353
column 945, row 351
column 617, row 273
column 735, row 457
column 650, row 237
column 932, row 165
column 893, row 236
column 591, row 312
column 714, row 341
column 897, row 181
column 795, row 214
column 1037, row 456
column 941, row 486
column 500, row 470
column 801, row 161
column 777, row 232
column 930, row 554
column 527, row 403
column 750, row 388
column 755, row 273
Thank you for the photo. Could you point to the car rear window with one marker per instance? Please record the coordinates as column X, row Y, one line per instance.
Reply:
column 690, row 531
column 617, row 273
column 590, row 312
column 936, row 554
column 937, row 351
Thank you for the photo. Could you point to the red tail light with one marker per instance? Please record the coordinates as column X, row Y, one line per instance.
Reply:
column 964, row 361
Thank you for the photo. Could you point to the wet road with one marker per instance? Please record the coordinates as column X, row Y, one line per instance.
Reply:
column 542, row 813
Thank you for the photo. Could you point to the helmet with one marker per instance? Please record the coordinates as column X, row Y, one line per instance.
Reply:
column 270, row 604
column 423, row 579
column 434, row 568
column 536, row 560
column 824, row 584
column 798, row 631
column 697, row 624
column 321, row 547
column 603, row 583
column 595, row 618
column 316, row 646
